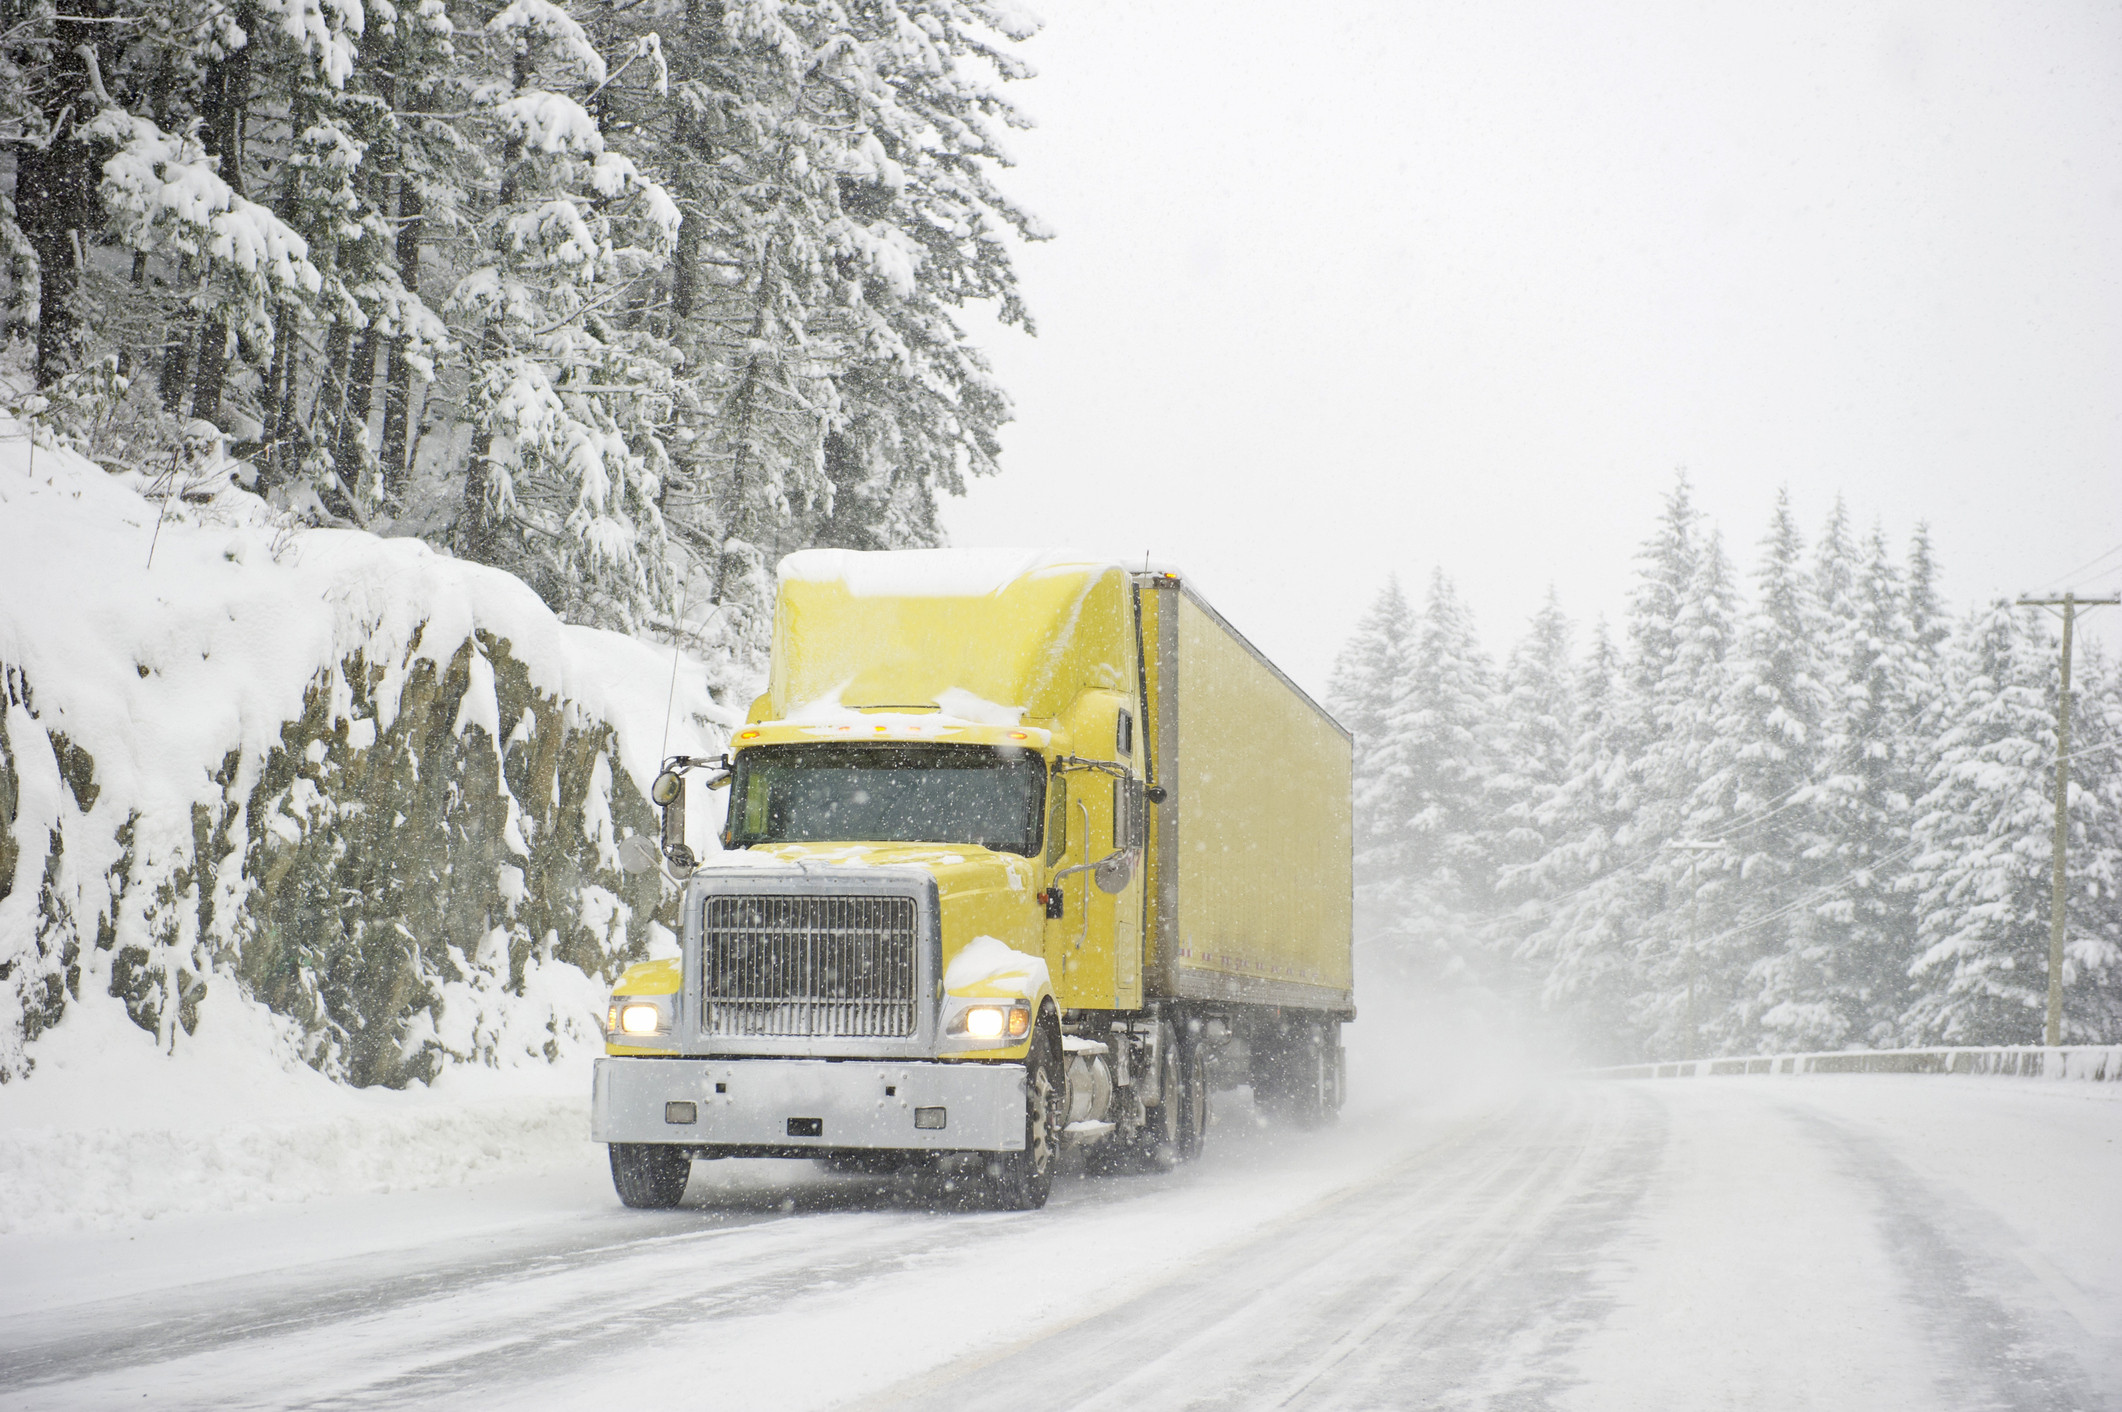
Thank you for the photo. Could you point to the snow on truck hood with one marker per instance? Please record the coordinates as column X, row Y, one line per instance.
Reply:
column 989, row 967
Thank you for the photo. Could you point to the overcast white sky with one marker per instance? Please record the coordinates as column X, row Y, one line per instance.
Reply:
column 1349, row 288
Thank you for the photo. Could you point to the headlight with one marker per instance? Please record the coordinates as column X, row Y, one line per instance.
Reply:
column 993, row 1021
column 629, row 1015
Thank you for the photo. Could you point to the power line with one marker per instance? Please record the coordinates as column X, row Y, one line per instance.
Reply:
column 1819, row 895
column 2069, row 574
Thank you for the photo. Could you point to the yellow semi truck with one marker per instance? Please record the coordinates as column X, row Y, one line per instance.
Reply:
column 1014, row 846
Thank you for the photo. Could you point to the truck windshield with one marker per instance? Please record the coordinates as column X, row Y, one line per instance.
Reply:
column 887, row 794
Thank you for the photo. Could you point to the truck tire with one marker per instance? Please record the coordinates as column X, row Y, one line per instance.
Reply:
column 1192, row 1110
column 1295, row 1075
column 1154, row 1145
column 650, row 1176
column 1020, row 1181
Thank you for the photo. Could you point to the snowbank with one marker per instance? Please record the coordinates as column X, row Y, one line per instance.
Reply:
column 280, row 806
column 112, row 1131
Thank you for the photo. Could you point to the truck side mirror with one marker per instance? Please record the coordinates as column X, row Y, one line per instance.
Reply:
column 1139, row 798
column 668, row 794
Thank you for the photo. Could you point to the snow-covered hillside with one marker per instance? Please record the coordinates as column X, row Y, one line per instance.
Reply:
column 275, row 799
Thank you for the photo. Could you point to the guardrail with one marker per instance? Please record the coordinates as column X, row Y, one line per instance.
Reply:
column 2098, row 1063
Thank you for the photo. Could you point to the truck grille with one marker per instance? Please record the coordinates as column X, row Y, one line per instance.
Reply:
column 809, row 966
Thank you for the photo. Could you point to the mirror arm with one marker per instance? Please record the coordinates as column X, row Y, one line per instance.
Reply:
column 1093, row 865
column 1104, row 767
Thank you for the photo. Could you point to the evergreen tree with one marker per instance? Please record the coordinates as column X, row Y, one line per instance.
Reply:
column 1609, row 936
column 1874, row 790
column 1755, row 795
column 1536, row 741
column 1871, row 772
column 486, row 274
column 1576, row 933
column 1432, row 882
column 1694, row 959
column 1368, row 674
column 1983, row 865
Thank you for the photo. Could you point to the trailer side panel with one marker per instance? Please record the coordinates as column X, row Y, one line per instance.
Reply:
column 1252, row 873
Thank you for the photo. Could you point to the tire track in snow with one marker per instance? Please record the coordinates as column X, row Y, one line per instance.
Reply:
column 367, row 1328
column 1451, row 1266
column 1994, row 1357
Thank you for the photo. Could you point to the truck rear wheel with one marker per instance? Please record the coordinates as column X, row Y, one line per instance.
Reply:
column 1192, row 1107
column 1296, row 1074
column 650, row 1175
column 1020, row 1181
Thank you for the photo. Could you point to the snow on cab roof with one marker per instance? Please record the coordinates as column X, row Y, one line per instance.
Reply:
column 930, row 573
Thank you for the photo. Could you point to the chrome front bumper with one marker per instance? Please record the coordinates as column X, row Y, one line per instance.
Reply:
column 801, row 1104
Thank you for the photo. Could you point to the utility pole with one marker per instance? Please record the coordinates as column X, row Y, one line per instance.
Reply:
column 2070, row 603
column 1695, row 850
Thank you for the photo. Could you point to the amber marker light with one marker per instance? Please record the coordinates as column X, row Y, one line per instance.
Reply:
column 1019, row 735
column 1020, row 1022
column 747, row 735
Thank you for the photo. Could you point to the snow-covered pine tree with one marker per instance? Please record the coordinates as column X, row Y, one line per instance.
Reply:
column 925, row 232
column 1367, row 675
column 1432, row 884
column 278, row 196
column 1692, row 953
column 567, row 402
column 1604, row 933
column 1869, row 775
column 1572, row 930
column 1983, row 838
column 1536, row 739
column 834, row 167
column 1929, row 624
column 1755, row 796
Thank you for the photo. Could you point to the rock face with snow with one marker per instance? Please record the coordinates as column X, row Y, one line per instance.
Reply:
column 367, row 787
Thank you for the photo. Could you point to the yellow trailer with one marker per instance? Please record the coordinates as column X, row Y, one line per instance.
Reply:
column 1014, row 844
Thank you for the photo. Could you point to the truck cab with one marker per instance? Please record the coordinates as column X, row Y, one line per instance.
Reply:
column 930, row 933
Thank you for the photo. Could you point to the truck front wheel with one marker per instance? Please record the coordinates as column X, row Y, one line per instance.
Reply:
column 1020, row 1181
column 650, row 1175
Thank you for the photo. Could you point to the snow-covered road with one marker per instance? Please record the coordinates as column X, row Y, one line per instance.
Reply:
column 1864, row 1242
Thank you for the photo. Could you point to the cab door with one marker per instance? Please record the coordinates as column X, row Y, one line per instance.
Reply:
column 1095, row 815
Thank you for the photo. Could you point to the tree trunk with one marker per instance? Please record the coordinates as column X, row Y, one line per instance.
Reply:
column 213, row 369
column 222, row 100
column 279, row 400
column 56, row 201
column 360, row 397
column 398, row 390
column 327, row 412
column 478, row 525
column 176, row 370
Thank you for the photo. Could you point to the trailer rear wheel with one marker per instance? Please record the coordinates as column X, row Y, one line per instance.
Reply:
column 1296, row 1074
column 650, row 1175
column 1192, row 1107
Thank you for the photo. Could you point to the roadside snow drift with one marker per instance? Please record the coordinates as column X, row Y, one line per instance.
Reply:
column 350, row 799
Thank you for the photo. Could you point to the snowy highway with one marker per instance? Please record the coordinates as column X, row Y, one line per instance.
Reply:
column 1871, row 1242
